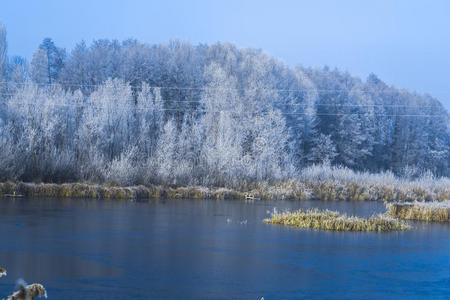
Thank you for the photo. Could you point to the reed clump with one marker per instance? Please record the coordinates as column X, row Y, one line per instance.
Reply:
column 332, row 220
column 421, row 211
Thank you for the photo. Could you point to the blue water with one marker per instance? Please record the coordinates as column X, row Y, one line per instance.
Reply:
column 186, row 249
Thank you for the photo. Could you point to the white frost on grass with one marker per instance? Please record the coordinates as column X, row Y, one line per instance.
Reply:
column 431, row 205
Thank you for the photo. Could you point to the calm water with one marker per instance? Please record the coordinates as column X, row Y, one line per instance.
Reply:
column 183, row 249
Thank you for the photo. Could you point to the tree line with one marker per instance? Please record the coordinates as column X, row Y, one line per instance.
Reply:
column 177, row 113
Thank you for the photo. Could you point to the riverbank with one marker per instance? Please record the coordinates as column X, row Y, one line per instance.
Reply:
column 313, row 183
column 334, row 221
column 96, row 191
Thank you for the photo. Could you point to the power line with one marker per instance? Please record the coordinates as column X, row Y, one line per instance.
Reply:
column 62, row 84
column 278, row 101
column 150, row 109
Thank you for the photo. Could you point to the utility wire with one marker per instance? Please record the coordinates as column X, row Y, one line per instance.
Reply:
column 151, row 109
column 62, row 84
column 275, row 101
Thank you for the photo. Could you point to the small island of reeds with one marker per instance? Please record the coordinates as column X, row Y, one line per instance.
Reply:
column 421, row 211
column 332, row 220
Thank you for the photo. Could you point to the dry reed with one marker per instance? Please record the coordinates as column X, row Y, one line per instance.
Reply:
column 332, row 220
column 421, row 211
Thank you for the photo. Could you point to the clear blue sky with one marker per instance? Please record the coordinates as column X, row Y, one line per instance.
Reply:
column 405, row 42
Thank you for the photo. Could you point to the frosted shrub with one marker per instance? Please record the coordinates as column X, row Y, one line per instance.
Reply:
column 9, row 168
column 122, row 169
column 336, row 182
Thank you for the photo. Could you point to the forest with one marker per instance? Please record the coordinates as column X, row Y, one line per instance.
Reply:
column 213, row 115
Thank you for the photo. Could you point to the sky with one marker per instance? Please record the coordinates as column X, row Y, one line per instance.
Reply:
column 405, row 42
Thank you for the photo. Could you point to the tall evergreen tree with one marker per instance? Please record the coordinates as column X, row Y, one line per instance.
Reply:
column 47, row 62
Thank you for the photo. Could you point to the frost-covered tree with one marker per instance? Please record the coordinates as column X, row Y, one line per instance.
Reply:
column 47, row 62
column 176, row 113
column 300, row 113
column 76, row 72
column 109, row 118
column 41, row 128
column 189, row 152
column 39, row 67
column 270, row 156
column 323, row 150
column 18, row 71
column 223, row 124
column 165, row 154
column 3, row 55
column 149, row 115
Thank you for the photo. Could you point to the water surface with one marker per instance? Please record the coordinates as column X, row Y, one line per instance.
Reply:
column 188, row 249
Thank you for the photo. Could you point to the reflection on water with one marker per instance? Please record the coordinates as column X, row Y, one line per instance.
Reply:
column 186, row 249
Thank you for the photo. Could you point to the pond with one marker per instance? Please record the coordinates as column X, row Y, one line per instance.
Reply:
column 205, row 249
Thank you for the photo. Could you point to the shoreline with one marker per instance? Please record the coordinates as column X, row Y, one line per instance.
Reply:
column 326, row 190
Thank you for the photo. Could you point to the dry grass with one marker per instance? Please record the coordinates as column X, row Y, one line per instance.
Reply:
column 85, row 190
column 340, row 183
column 422, row 211
column 313, row 183
column 332, row 220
